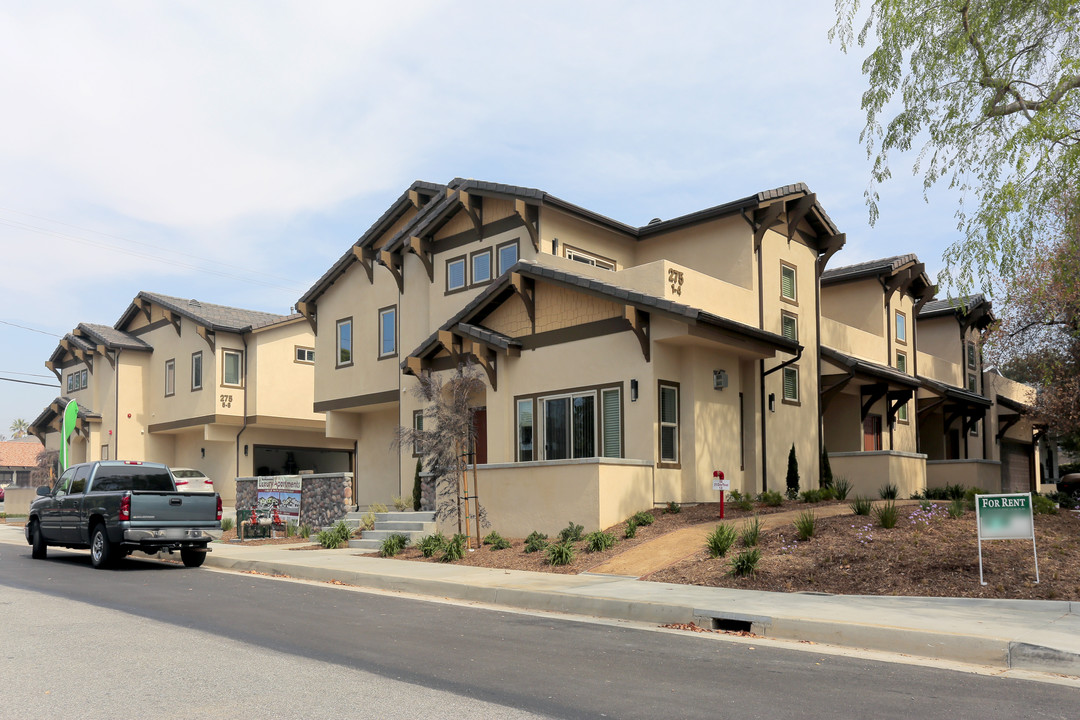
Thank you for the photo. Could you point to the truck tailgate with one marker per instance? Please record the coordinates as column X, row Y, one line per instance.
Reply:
column 173, row 509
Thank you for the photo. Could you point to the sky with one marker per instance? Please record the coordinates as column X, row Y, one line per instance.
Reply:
column 231, row 152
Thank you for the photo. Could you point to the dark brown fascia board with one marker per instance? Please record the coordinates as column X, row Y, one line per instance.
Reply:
column 954, row 393
column 1010, row 404
column 872, row 271
column 870, row 369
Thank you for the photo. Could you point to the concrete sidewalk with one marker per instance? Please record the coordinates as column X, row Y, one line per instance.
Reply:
column 1034, row 635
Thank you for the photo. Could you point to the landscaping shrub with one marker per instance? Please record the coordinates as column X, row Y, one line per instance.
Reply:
column 925, row 505
column 572, row 532
column 751, row 531
column 227, row 524
column 394, row 544
column 290, row 529
column 417, row 492
column 336, row 536
column 401, row 503
column 811, row 496
column 956, row 508
column 826, row 469
column 745, row 563
column 827, row 493
column 841, row 487
column 805, row 524
column 954, row 491
column 740, row 501
column 792, row 475
column 887, row 514
column 860, row 505
column 644, row 518
column 431, row 544
column 560, row 553
column 367, row 520
column 1064, row 500
column 496, row 541
column 888, row 491
column 969, row 497
column 535, row 542
column 1043, row 505
column 304, row 531
column 599, row 541
column 772, row 498
column 720, row 540
column 631, row 528
column 454, row 548
column 673, row 508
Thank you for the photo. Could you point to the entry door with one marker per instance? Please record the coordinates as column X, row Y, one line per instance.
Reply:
column 480, row 423
column 871, row 433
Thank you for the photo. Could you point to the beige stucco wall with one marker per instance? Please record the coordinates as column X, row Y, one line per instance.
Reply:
column 940, row 337
column 722, row 248
column 281, row 386
column 982, row 474
column 858, row 305
column 868, row 472
column 593, row 239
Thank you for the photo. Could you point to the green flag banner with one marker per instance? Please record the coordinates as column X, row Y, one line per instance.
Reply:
column 71, row 414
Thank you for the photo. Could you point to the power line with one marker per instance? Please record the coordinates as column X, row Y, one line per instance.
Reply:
column 23, row 327
column 14, row 372
column 31, row 382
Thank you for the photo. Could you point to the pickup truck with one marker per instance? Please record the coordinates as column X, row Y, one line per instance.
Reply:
column 116, row 507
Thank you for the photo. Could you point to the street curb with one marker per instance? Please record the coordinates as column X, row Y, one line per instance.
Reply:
column 993, row 651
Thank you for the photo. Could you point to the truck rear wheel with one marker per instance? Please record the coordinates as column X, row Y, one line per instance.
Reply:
column 39, row 549
column 102, row 552
column 192, row 557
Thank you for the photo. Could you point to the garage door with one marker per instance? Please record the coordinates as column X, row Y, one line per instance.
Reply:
column 1016, row 472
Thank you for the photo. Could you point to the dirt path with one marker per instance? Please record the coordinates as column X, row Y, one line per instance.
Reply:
column 671, row 548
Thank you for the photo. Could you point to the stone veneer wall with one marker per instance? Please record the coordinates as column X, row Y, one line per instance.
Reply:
column 322, row 497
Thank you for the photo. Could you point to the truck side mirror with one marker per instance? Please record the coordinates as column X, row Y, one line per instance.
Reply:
column 44, row 490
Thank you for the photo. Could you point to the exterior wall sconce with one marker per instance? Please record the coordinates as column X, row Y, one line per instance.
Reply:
column 203, row 451
column 245, row 447
column 633, row 391
column 719, row 379
column 772, row 408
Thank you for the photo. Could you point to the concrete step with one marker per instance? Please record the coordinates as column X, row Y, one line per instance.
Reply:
column 366, row 545
column 406, row 516
column 405, row 526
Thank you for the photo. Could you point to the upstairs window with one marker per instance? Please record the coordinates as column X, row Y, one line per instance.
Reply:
column 901, row 327
column 388, row 331
column 170, row 377
column 787, row 282
column 589, row 259
column 305, row 355
column 971, row 355
column 83, row 381
column 344, row 342
column 455, row 274
column 791, row 384
column 901, row 362
column 508, row 255
column 71, row 382
column 481, row 267
column 233, row 361
column 790, row 326
column 196, row 371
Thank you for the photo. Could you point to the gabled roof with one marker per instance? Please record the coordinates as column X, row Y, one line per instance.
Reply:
column 214, row 317
column 73, row 340
column 19, row 453
column 112, row 338
column 40, row 425
column 469, row 318
column 884, row 266
column 952, row 306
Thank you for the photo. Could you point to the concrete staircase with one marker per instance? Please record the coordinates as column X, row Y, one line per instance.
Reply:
column 413, row 524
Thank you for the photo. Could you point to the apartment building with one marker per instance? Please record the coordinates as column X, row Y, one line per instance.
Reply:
column 194, row 384
column 623, row 365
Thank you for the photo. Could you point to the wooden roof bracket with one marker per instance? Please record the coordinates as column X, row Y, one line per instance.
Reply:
column 927, row 296
column 1005, row 425
column 896, row 399
column 639, row 324
column 870, row 395
column 452, row 342
column 111, row 357
column 473, row 205
column 828, row 247
column 211, row 338
column 797, row 211
column 88, row 359
column 525, row 288
column 488, row 360
column 413, row 366
column 952, row 412
column 972, row 417
column 422, row 249
column 828, row 393
column 392, row 262
column 366, row 257
column 144, row 305
column 52, row 368
column 173, row 318
column 530, row 216
column 765, row 219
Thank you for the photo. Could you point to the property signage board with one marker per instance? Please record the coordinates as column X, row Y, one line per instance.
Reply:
column 1005, row 517
column 282, row 493
column 719, row 482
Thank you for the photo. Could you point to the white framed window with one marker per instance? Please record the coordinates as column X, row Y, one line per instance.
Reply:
column 196, row 370
column 971, row 355
column 388, row 331
column 507, row 256
column 589, row 259
column 481, row 267
column 901, row 362
column 789, row 326
column 788, row 284
column 569, row 426
column 233, row 364
column 344, row 342
column 305, row 355
column 455, row 274
column 525, row 431
column 170, row 377
column 669, row 422
column 791, row 384
column 901, row 327
column 104, row 452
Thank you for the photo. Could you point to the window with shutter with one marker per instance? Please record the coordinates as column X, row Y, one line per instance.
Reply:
column 787, row 282
column 790, row 325
column 791, row 384
column 612, row 422
column 901, row 362
column 525, row 430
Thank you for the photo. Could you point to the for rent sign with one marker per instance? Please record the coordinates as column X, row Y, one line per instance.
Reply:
column 1005, row 517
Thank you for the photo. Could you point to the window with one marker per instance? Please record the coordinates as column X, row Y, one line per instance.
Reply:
column 170, row 377
column 975, row 429
column 787, row 282
column 901, row 327
column 611, row 425
column 972, row 384
column 525, row 430
column 233, row 374
column 455, row 274
column 901, row 362
column 344, row 342
column 388, row 331
column 589, row 259
column 669, row 423
column 481, row 267
column 305, row 355
column 196, row 371
column 83, row 382
column 971, row 355
column 78, row 483
column 791, row 384
column 71, row 382
column 789, row 326
column 569, row 426
column 104, row 452
column 901, row 413
column 508, row 255
column 418, row 427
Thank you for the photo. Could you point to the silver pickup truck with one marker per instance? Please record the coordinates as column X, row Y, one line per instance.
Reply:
column 116, row 507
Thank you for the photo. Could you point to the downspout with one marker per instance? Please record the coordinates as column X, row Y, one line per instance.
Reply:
column 761, row 363
column 889, row 363
column 243, row 425
column 116, row 407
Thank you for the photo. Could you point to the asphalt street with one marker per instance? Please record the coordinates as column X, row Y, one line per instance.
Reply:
column 199, row 643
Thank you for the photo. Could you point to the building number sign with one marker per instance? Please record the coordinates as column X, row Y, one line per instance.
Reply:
column 675, row 277
column 226, row 401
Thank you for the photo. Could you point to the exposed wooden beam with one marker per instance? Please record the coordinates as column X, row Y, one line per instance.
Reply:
column 173, row 318
column 927, row 295
column 871, row 394
column 413, row 366
column 473, row 205
column 452, row 342
column 896, row 399
column 1005, row 425
column 827, row 247
column 211, row 338
column 392, row 262
column 765, row 219
column 530, row 215
column 828, row 393
column 111, row 357
column 639, row 324
column 422, row 249
column 144, row 305
column 486, row 358
column 366, row 257
column 797, row 211
column 52, row 368
column 525, row 288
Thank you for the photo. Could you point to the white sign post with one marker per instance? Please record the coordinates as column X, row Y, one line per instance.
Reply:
column 1005, row 517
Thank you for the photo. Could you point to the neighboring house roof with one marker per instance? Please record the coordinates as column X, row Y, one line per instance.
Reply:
column 466, row 320
column 952, row 306
column 19, row 453
column 113, row 338
column 882, row 266
column 437, row 211
column 214, row 317
column 869, row 369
